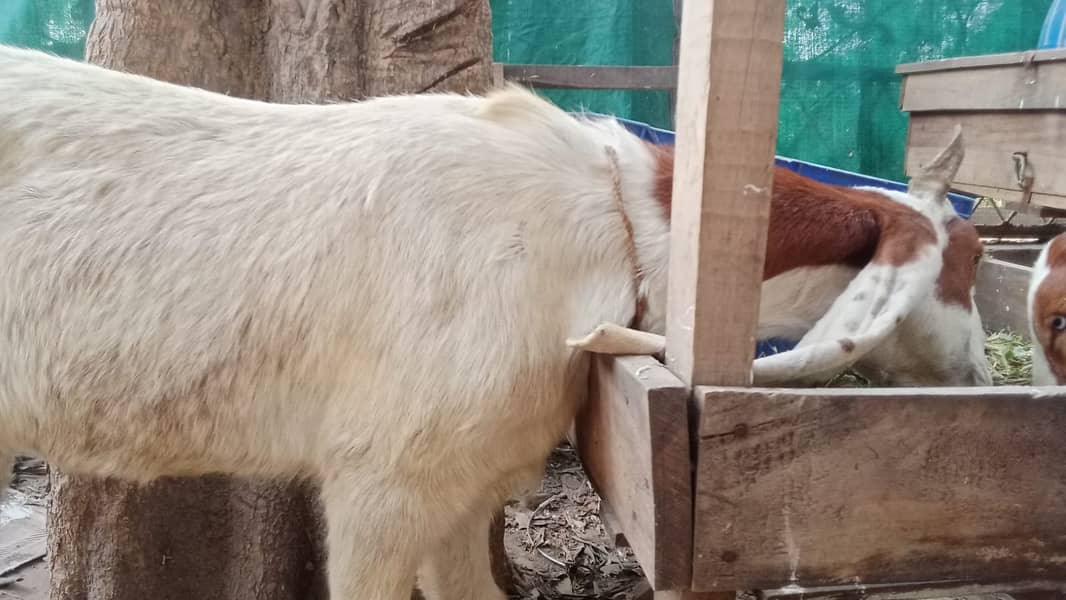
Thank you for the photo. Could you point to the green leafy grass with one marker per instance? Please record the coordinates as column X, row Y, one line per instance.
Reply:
column 1009, row 355
column 1011, row 358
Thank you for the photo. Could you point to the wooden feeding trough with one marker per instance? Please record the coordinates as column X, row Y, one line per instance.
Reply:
column 832, row 492
column 1013, row 109
column 878, row 492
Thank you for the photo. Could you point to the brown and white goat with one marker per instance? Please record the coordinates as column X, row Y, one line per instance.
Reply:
column 875, row 279
column 377, row 295
column 1047, row 313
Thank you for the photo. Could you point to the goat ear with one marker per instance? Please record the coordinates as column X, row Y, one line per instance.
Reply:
column 609, row 338
column 860, row 319
column 935, row 178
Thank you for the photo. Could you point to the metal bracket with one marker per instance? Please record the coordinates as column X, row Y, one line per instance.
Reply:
column 1023, row 175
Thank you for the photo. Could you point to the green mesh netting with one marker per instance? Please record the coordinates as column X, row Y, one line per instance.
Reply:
column 57, row 26
column 592, row 32
column 839, row 95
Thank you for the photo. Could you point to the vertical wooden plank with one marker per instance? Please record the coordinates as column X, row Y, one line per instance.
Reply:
column 677, row 57
column 1002, row 295
column 728, row 86
column 633, row 438
column 729, row 79
column 497, row 75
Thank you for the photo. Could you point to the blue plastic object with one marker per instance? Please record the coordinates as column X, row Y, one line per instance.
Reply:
column 1053, row 33
column 964, row 205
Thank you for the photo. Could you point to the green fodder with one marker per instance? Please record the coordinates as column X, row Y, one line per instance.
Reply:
column 1009, row 355
column 1011, row 358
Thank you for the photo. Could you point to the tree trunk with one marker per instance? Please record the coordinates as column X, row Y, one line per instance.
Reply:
column 219, row 538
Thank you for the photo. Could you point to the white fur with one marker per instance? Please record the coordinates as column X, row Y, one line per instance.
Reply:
column 921, row 353
column 792, row 302
column 870, row 308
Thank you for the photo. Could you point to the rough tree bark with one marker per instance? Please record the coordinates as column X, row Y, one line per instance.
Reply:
column 219, row 538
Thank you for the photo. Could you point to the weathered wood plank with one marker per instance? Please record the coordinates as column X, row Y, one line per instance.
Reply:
column 722, row 180
column 644, row 592
column 693, row 596
column 498, row 75
column 1039, row 232
column 1030, row 220
column 634, row 440
column 1026, row 86
column 593, row 77
column 834, row 486
column 1014, row 199
column 1001, row 293
column 1018, row 254
column 984, row 60
column 991, row 140
column 23, row 536
column 926, row 590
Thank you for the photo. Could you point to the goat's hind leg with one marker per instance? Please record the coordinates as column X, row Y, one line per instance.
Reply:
column 376, row 538
column 459, row 567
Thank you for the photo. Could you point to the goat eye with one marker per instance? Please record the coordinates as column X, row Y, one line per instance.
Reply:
column 1058, row 323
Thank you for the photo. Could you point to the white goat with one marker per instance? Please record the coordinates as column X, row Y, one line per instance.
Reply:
column 376, row 295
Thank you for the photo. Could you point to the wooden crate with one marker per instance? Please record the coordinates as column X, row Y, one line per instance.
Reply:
column 913, row 492
column 824, row 487
column 1013, row 111
column 1002, row 290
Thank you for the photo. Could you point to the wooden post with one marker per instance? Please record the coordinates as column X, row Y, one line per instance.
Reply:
column 728, row 86
column 677, row 57
column 729, row 78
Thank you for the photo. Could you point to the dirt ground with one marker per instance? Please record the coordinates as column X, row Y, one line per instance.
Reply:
column 557, row 545
column 30, row 489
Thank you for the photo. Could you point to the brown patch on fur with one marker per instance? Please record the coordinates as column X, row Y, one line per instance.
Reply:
column 1056, row 257
column 1048, row 303
column 961, row 255
column 814, row 224
column 846, row 345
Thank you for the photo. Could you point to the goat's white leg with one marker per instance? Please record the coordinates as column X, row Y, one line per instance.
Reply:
column 459, row 567
column 376, row 538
